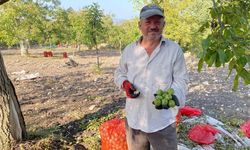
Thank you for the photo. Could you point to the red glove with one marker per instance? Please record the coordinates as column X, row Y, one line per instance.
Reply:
column 130, row 90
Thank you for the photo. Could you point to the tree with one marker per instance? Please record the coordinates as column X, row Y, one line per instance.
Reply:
column 12, row 122
column 229, row 38
column 17, row 23
column 183, row 19
column 131, row 33
column 21, row 21
column 77, row 25
column 94, row 28
column 120, row 35
column 115, row 36
column 11, row 119
column 57, row 27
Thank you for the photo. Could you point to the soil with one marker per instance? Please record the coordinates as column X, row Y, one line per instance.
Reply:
column 62, row 94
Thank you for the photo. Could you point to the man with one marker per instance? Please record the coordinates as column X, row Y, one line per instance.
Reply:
column 147, row 65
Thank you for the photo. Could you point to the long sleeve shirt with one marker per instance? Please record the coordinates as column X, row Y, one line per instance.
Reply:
column 164, row 68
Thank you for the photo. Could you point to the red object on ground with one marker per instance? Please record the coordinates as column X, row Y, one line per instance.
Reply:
column 113, row 135
column 189, row 111
column 178, row 118
column 45, row 54
column 245, row 128
column 50, row 54
column 202, row 134
column 65, row 55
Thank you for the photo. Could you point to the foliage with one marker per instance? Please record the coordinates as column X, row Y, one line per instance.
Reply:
column 131, row 31
column 120, row 35
column 93, row 26
column 18, row 21
column 60, row 30
column 229, row 39
column 23, row 20
column 183, row 19
column 77, row 23
column 113, row 32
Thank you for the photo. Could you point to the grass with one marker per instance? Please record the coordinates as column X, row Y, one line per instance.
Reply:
column 91, row 137
column 54, row 137
column 231, row 125
column 97, row 70
column 88, row 134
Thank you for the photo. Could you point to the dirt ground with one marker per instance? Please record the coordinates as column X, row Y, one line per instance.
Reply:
column 62, row 94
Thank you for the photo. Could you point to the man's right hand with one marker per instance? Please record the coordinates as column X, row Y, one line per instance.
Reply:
column 130, row 90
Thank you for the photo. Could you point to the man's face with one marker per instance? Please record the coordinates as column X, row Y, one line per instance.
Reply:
column 152, row 27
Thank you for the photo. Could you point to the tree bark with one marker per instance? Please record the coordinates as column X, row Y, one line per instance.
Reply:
column 3, row 1
column 24, row 47
column 12, row 122
column 78, row 47
column 97, row 57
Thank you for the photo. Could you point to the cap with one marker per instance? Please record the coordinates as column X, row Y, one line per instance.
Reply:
column 151, row 10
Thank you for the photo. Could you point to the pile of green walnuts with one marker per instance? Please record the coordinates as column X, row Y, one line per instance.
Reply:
column 165, row 99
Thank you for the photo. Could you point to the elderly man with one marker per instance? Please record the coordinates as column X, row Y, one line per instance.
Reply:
column 147, row 65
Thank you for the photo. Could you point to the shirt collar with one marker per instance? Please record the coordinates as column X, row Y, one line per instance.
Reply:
column 163, row 40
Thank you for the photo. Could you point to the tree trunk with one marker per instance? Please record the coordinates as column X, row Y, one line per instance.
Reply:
column 78, row 47
column 97, row 57
column 12, row 122
column 3, row 1
column 24, row 47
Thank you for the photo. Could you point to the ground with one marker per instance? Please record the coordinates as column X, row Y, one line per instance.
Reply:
column 63, row 100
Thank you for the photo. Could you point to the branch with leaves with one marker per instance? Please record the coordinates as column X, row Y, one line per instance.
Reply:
column 229, row 40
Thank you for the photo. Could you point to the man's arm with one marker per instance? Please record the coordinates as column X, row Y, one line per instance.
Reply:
column 180, row 78
column 120, row 74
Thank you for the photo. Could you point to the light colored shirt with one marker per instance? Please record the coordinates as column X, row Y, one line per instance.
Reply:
column 164, row 68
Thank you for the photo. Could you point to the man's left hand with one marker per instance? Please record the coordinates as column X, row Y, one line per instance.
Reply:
column 175, row 100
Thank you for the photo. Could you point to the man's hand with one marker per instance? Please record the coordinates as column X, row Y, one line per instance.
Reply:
column 165, row 101
column 175, row 100
column 130, row 90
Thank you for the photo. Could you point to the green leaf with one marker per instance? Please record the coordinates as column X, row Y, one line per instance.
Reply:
column 213, row 13
column 205, row 44
column 239, row 51
column 200, row 64
column 236, row 83
column 231, row 66
column 222, row 56
column 245, row 75
column 217, row 61
column 203, row 27
column 212, row 59
column 248, row 59
column 227, row 33
column 242, row 61
column 229, row 55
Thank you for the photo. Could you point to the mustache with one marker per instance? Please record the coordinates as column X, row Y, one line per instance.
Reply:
column 153, row 30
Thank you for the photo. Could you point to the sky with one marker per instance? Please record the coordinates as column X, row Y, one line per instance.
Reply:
column 121, row 9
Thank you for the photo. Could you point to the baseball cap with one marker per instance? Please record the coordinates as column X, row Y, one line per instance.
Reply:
column 151, row 10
